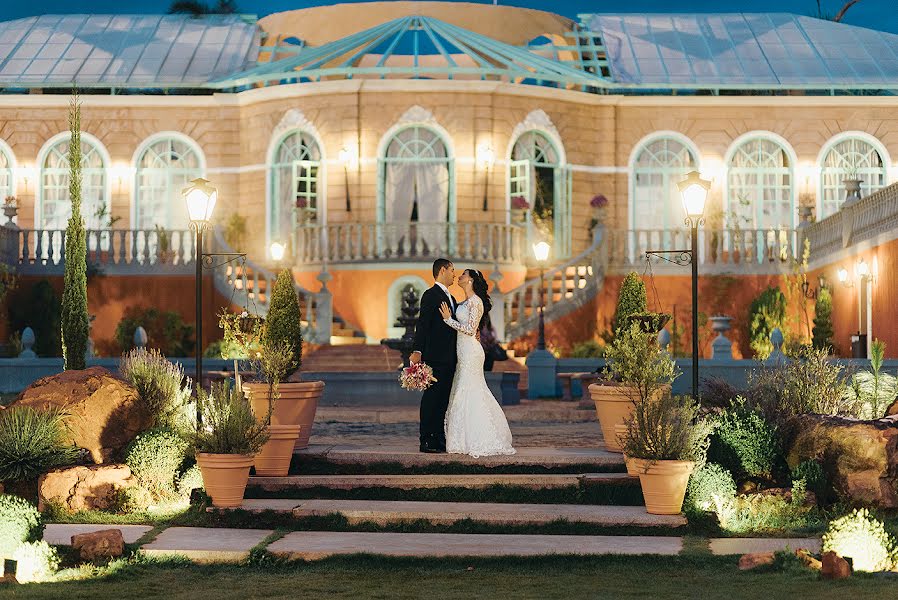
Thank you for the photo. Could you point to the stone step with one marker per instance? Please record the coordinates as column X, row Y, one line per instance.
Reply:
column 341, row 340
column 447, row 513
column 60, row 534
column 206, row 545
column 314, row 545
column 414, row 482
column 409, row 456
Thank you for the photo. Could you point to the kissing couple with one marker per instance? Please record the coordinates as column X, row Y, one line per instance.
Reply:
column 459, row 414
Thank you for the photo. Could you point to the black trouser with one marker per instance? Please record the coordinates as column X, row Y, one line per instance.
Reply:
column 434, row 403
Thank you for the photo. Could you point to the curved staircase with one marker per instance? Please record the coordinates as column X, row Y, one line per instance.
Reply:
column 567, row 286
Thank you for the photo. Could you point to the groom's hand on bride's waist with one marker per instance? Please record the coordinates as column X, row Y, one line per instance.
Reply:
column 415, row 357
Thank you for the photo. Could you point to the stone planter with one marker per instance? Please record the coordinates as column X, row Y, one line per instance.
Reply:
column 663, row 484
column 274, row 458
column 614, row 405
column 225, row 477
column 296, row 405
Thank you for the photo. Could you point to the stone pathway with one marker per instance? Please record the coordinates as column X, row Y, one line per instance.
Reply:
column 408, row 456
column 414, row 482
column 385, row 512
column 201, row 544
column 313, row 545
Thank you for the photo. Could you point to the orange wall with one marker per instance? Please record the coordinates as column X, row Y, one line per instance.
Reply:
column 109, row 297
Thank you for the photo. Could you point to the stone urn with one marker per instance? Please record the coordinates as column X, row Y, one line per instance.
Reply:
column 10, row 211
column 852, row 191
column 721, row 347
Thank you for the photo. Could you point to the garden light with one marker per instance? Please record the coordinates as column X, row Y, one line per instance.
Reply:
column 201, row 198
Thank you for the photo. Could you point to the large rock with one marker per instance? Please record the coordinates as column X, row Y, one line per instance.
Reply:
column 105, row 412
column 860, row 457
column 834, row 566
column 84, row 488
column 99, row 545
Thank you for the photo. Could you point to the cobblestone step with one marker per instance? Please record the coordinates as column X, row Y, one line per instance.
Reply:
column 447, row 513
column 413, row 482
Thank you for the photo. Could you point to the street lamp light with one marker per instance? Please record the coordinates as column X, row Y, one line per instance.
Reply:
column 485, row 158
column 694, row 191
column 541, row 253
column 277, row 250
column 349, row 160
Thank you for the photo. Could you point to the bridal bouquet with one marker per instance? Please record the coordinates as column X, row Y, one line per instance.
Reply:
column 417, row 377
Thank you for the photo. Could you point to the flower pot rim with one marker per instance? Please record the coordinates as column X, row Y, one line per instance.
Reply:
column 664, row 462
column 222, row 456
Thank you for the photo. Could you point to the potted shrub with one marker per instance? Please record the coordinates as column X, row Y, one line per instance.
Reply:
column 638, row 369
column 664, row 440
column 297, row 401
column 226, row 443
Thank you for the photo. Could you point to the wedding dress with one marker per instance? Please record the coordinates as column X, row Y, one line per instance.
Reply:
column 475, row 423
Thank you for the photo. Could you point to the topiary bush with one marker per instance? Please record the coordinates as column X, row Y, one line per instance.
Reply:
column 822, row 333
column 630, row 301
column 189, row 480
column 33, row 442
column 155, row 458
column 745, row 443
column 20, row 522
column 282, row 325
column 707, row 485
column 863, row 539
column 766, row 312
column 35, row 562
column 161, row 385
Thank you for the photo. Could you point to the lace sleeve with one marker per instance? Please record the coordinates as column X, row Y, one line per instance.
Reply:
column 475, row 311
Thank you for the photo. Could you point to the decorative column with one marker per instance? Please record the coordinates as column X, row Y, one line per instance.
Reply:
column 497, row 314
column 324, row 314
column 721, row 347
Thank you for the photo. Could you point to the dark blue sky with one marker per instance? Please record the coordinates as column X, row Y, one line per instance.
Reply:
column 877, row 14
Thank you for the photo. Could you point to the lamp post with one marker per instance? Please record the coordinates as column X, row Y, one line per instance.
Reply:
column 201, row 198
column 694, row 191
column 347, row 157
column 541, row 253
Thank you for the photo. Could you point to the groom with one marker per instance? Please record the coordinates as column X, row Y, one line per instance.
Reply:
column 435, row 345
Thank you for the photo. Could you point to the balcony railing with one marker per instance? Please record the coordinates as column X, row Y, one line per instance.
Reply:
column 757, row 251
column 114, row 251
column 409, row 242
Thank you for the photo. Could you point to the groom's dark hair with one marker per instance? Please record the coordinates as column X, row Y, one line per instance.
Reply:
column 440, row 264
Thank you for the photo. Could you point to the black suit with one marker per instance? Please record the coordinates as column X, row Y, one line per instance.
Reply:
column 436, row 342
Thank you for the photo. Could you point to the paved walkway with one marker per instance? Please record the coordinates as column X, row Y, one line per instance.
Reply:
column 386, row 512
column 408, row 455
column 233, row 545
column 416, row 482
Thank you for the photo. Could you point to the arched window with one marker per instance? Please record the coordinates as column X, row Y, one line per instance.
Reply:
column 295, row 184
column 759, row 182
column 6, row 166
column 536, row 174
column 658, row 166
column 55, row 205
column 416, row 171
column 164, row 168
column 850, row 158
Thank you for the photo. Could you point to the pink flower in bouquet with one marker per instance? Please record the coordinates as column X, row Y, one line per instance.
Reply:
column 598, row 201
column 520, row 203
column 417, row 377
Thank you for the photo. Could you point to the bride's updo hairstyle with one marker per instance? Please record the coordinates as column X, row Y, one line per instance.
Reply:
column 481, row 288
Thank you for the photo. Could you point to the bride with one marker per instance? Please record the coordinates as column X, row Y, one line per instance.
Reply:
column 475, row 423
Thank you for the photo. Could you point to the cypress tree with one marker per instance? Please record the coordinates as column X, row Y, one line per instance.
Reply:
column 75, row 321
column 631, row 300
column 283, row 320
column 822, row 334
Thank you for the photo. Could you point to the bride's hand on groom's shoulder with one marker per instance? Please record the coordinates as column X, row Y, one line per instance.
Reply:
column 445, row 311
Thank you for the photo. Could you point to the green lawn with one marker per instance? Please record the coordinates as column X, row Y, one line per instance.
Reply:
column 544, row 579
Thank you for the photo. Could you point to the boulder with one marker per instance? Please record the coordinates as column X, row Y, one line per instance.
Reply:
column 99, row 545
column 808, row 559
column 835, row 567
column 859, row 457
column 754, row 560
column 105, row 412
column 84, row 488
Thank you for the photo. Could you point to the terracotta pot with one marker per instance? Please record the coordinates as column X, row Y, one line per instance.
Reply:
column 296, row 405
column 614, row 404
column 663, row 484
column 225, row 477
column 274, row 459
column 631, row 470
